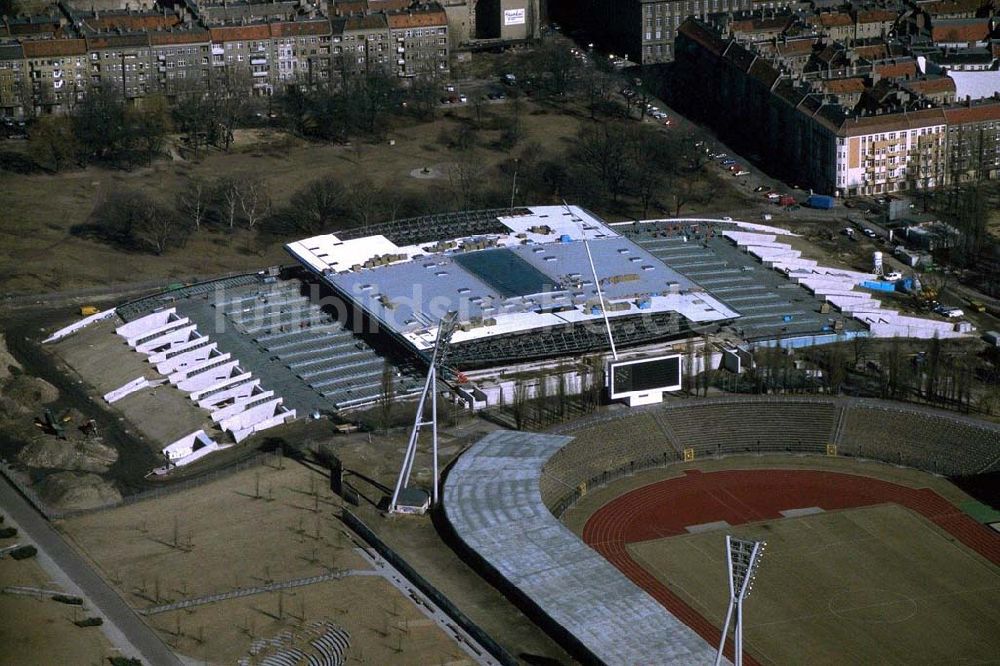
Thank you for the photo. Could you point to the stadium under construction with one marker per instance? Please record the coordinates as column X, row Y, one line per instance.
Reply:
column 531, row 288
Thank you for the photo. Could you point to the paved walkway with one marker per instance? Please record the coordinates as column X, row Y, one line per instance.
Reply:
column 126, row 630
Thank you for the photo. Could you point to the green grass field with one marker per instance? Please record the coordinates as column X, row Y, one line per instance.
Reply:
column 876, row 585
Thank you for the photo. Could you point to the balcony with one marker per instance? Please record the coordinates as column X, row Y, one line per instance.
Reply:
column 258, row 61
column 260, row 74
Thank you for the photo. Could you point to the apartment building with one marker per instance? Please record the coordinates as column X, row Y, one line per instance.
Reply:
column 58, row 71
column 52, row 59
column 124, row 61
column 893, row 139
column 891, row 153
column 302, row 50
column 419, row 39
column 644, row 30
column 181, row 58
column 12, row 81
column 361, row 43
column 973, row 141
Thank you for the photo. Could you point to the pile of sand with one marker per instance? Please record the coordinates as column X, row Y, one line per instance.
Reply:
column 23, row 393
column 8, row 363
column 77, row 490
column 82, row 456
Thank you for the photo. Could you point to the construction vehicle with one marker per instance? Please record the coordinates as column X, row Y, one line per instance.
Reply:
column 50, row 424
column 976, row 306
column 88, row 310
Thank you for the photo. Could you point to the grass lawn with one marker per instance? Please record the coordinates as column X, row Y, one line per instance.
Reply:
column 863, row 586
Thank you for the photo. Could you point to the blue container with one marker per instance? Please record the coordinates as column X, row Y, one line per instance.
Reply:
column 565, row 238
column 879, row 286
column 786, row 318
column 820, row 201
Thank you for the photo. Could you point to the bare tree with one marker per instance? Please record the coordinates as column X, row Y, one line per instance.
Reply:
column 650, row 158
column 318, row 205
column 229, row 99
column 192, row 201
column 365, row 201
column 158, row 227
column 519, row 402
column 134, row 220
column 465, row 177
column 52, row 143
column 254, row 197
column 227, row 192
column 387, row 395
column 603, row 150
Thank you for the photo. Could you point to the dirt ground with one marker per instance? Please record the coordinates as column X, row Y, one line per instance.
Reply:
column 40, row 632
column 255, row 527
column 385, row 628
column 873, row 585
column 160, row 414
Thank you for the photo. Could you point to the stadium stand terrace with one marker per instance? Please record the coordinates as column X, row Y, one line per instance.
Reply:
column 282, row 329
column 503, row 496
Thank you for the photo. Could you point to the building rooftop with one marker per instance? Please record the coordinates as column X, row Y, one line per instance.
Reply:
column 531, row 274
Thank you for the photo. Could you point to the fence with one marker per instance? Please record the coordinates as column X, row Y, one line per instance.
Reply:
column 471, row 628
column 242, row 592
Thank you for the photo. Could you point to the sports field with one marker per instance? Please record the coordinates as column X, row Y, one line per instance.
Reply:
column 859, row 586
column 857, row 570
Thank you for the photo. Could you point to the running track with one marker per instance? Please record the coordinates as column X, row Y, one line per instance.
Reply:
column 667, row 507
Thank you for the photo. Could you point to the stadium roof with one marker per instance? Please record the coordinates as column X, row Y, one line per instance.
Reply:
column 528, row 272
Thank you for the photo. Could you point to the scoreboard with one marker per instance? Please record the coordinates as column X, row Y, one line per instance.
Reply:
column 648, row 375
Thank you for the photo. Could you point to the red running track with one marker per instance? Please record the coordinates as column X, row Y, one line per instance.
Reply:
column 666, row 508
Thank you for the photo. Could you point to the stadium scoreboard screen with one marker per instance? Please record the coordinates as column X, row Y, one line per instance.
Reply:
column 651, row 374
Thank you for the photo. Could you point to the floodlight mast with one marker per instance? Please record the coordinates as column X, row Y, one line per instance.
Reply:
column 446, row 328
column 742, row 558
column 597, row 281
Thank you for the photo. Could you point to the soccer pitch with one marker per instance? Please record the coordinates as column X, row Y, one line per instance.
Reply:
column 870, row 585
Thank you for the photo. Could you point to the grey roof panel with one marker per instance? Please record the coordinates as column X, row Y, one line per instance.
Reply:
column 493, row 501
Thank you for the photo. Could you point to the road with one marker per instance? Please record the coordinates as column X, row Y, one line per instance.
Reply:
column 98, row 593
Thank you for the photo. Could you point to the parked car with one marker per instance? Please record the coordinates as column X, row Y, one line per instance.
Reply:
column 741, row 172
column 948, row 311
column 760, row 188
column 869, row 233
column 727, row 163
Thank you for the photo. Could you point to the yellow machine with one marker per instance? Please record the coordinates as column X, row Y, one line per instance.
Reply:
column 88, row 310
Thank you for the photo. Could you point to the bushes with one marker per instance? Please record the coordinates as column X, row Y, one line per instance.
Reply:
column 67, row 599
column 133, row 220
column 24, row 552
column 89, row 622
